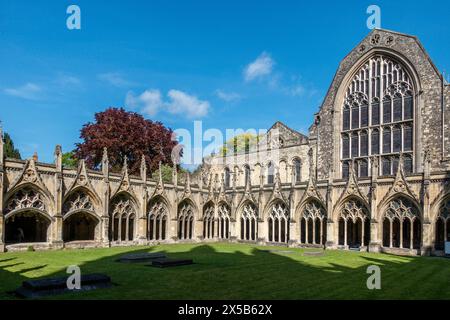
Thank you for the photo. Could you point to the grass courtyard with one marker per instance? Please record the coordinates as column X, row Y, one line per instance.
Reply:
column 236, row 271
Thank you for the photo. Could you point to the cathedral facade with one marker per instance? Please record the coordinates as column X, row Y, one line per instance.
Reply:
column 373, row 174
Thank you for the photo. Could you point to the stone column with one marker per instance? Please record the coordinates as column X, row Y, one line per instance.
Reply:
column 261, row 231
column 375, row 244
column 426, row 239
column 362, row 232
column 390, row 233
column 331, row 241
column 314, row 232
column 345, row 232
column 401, row 234
column 294, row 233
column 57, row 225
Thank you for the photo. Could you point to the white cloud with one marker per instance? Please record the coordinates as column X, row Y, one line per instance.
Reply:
column 150, row 102
column 115, row 79
column 262, row 66
column 227, row 96
column 67, row 80
column 27, row 91
column 183, row 103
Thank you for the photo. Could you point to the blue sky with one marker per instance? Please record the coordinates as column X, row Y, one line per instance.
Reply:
column 230, row 64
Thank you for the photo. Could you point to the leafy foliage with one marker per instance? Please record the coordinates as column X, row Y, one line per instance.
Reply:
column 166, row 171
column 69, row 160
column 9, row 150
column 240, row 143
column 125, row 134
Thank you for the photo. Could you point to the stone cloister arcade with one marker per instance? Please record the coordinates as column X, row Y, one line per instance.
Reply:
column 372, row 174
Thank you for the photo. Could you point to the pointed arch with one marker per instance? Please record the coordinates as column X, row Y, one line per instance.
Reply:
column 352, row 197
column 77, row 190
column 248, row 221
column 186, row 219
column 123, row 213
column 402, row 223
column 158, row 216
column 356, row 81
column 312, row 220
column 223, row 220
column 15, row 199
column 278, row 222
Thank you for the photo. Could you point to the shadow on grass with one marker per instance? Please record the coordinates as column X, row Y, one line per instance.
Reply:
column 235, row 271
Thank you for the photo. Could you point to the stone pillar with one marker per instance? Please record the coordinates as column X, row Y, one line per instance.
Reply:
column 261, row 235
column 294, row 233
column 345, row 232
column 425, row 250
column 374, row 245
column 331, row 235
column 172, row 230
column 57, row 225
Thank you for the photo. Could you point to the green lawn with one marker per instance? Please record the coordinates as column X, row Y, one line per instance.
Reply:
column 236, row 271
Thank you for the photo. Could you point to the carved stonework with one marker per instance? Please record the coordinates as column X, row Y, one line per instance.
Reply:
column 26, row 198
column 79, row 200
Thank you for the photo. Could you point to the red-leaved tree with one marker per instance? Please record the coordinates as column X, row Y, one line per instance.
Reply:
column 127, row 134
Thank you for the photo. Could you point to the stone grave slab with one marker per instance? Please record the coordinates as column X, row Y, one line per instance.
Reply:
column 58, row 285
column 313, row 253
column 166, row 262
column 141, row 257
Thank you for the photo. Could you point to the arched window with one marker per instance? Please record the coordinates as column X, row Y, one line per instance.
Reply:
column 383, row 89
column 297, row 170
column 247, row 174
column 227, row 177
column 270, row 173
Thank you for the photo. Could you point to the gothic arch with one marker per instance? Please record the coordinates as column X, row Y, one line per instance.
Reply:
column 384, row 205
column 340, row 206
column 401, row 223
column 47, row 197
column 270, row 204
column 123, row 214
column 347, row 79
column 96, row 202
column 353, row 222
column 278, row 222
column 302, row 205
column 209, row 220
column 248, row 221
column 186, row 216
column 312, row 222
column 158, row 217
column 26, row 216
column 128, row 195
column 223, row 220
column 440, row 223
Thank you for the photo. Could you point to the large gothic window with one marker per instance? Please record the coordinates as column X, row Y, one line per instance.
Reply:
column 249, row 219
column 377, row 116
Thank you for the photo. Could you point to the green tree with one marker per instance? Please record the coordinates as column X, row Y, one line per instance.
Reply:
column 243, row 142
column 9, row 150
column 69, row 160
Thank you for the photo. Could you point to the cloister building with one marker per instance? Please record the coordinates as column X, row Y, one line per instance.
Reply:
column 372, row 174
